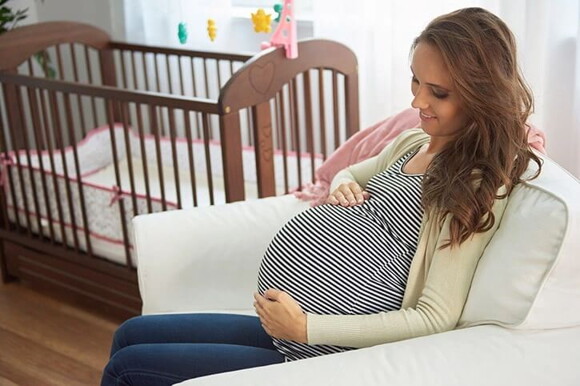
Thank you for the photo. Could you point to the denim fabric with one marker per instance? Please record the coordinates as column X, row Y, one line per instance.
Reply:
column 166, row 349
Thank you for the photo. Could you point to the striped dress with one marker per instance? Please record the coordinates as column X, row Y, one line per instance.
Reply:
column 346, row 261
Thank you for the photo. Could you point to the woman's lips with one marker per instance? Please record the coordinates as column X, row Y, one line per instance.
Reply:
column 426, row 117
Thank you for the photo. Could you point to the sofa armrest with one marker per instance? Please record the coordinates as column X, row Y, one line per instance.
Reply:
column 204, row 259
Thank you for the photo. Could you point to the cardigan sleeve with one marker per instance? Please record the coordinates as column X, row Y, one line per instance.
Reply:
column 438, row 308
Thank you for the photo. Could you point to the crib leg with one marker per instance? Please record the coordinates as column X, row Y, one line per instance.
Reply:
column 6, row 277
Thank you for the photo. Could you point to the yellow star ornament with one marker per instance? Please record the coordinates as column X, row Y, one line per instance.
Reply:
column 262, row 21
column 211, row 29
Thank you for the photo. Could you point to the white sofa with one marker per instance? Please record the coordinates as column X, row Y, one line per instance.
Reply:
column 520, row 325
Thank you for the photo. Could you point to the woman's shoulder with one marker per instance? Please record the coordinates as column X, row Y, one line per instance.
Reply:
column 407, row 141
column 411, row 136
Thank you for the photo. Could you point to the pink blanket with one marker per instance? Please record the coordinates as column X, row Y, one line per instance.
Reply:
column 368, row 143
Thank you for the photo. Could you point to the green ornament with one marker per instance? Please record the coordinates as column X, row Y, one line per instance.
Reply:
column 278, row 9
column 182, row 33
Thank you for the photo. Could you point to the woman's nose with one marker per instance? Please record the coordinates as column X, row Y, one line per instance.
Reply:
column 419, row 101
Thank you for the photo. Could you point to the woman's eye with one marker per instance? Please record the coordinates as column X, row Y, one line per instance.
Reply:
column 414, row 80
column 440, row 95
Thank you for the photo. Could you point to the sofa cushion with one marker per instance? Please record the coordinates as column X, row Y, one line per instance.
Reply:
column 529, row 274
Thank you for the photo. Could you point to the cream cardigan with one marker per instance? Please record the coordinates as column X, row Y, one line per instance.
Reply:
column 438, row 282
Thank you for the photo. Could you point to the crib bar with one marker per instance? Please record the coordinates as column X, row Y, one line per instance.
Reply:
column 84, row 218
column 173, row 137
column 30, row 66
column 111, row 106
column 264, row 150
column 144, row 156
column 71, row 203
column 157, row 78
column 155, row 129
column 295, row 124
column 322, row 112
column 351, row 104
column 80, row 187
column 219, row 77
column 54, row 125
column 281, row 102
column 14, row 141
column 231, row 140
column 187, row 120
column 45, row 56
column 46, row 145
column 335, row 121
column 177, row 51
column 3, row 192
column 123, row 74
column 309, row 122
column 59, row 62
column 169, row 80
column 60, row 145
column 181, row 83
column 27, row 148
column 90, row 75
column 193, row 72
column 134, row 70
column 145, row 71
column 36, row 124
column 76, row 79
column 126, row 126
column 206, row 139
column 205, row 77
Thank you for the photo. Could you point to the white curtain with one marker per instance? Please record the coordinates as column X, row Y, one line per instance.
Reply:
column 548, row 33
column 381, row 32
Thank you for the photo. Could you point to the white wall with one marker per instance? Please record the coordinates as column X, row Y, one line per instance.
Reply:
column 106, row 14
column 157, row 25
column 22, row 4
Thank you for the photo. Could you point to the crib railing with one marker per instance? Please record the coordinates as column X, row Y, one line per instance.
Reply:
column 43, row 168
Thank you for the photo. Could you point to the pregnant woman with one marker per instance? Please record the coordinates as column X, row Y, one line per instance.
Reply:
column 392, row 254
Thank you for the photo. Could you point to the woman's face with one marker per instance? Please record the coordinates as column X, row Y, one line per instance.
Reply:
column 441, row 111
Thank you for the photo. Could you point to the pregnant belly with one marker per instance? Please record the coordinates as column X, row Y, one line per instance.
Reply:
column 328, row 263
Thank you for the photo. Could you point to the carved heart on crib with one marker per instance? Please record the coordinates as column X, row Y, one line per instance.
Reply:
column 261, row 77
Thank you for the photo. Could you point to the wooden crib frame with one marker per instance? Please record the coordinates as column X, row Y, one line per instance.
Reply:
column 274, row 94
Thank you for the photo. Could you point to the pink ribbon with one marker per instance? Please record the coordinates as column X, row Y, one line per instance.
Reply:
column 117, row 195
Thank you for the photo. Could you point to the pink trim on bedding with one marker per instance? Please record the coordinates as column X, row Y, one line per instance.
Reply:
column 78, row 228
column 114, row 189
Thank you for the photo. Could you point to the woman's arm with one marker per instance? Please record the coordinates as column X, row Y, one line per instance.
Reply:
column 438, row 308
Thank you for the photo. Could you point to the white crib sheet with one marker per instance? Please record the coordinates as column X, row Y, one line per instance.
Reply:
column 48, row 186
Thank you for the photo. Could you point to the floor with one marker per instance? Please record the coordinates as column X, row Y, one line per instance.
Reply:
column 44, row 341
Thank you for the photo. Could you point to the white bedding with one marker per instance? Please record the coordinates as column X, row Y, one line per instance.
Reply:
column 102, row 193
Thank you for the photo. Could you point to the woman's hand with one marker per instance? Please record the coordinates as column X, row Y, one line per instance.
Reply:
column 281, row 316
column 348, row 194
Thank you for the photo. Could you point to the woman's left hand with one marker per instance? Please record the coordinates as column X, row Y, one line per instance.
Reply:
column 281, row 316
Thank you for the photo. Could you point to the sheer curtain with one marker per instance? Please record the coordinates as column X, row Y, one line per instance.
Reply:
column 548, row 34
column 381, row 32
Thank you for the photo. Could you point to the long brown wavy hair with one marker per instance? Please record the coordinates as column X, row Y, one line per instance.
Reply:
column 492, row 151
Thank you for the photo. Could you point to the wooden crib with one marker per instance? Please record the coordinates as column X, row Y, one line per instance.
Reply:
column 94, row 132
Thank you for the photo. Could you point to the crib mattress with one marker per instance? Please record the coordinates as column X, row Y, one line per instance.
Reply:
column 45, row 189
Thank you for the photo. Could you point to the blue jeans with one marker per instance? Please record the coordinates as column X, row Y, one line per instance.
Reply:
column 166, row 349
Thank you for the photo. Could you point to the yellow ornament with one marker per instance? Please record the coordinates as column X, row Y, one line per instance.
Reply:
column 262, row 21
column 211, row 29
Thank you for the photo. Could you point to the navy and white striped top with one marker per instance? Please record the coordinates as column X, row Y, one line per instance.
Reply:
column 345, row 261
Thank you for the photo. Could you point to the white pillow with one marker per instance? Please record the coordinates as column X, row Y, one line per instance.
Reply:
column 529, row 274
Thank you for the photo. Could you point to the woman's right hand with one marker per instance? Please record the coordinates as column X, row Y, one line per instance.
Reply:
column 348, row 194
